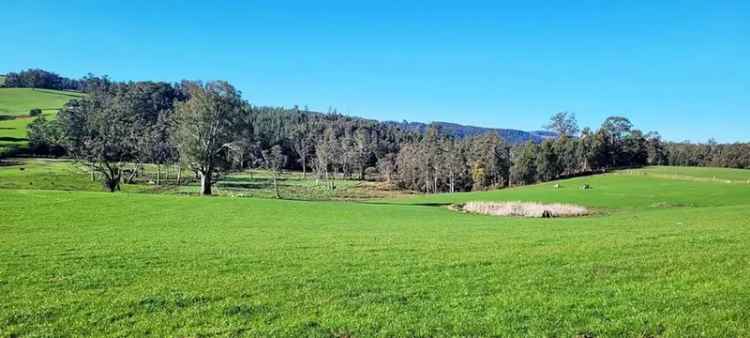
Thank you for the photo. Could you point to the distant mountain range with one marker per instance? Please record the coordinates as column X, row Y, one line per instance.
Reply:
column 513, row 136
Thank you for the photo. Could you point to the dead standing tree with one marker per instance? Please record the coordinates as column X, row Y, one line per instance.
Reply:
column 274, row 160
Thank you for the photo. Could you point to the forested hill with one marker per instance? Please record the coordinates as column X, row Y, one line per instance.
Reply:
column 39, row 78
column 513, row 136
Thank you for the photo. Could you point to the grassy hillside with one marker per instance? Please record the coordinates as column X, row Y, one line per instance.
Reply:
column 18, row 101
column 700, row 174
column 646, row 188
column 668, row 258
column 15, row 104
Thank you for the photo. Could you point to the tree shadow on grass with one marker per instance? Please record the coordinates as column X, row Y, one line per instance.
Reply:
column 415, row 204
column 9, row 163
column 12, row 139
column 254, row 183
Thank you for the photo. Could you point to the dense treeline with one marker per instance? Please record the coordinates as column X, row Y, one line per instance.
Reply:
column 207, row 127
column 38, row 78
column 436, row 164
column 210, row 129
column 710, row 154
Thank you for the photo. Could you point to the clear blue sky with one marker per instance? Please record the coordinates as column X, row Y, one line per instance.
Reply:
column 678, row 67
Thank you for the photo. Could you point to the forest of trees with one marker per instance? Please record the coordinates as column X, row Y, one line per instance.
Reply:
column 210, row 129
column 38, row 78
column 711, row 154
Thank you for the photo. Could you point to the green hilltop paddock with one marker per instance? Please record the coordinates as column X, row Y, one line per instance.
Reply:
column 15, row 104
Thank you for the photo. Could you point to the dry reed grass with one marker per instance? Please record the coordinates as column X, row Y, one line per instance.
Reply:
column 525, row 209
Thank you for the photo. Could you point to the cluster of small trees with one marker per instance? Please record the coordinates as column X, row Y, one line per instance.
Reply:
column 614, row 145
column 438, row 163
column 208, row 128
column 39, row 78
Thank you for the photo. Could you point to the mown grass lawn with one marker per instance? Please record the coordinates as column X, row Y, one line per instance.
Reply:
column 667, row 258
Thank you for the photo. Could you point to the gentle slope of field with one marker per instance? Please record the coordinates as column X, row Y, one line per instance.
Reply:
column 722, row 175
column 18, row 101
column 668, row 258
column 614, row 192
column 15, row 104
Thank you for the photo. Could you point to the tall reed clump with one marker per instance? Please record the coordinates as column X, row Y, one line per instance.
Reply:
column 525, row 209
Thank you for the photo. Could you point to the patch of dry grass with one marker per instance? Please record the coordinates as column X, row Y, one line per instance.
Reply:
column 525, row 209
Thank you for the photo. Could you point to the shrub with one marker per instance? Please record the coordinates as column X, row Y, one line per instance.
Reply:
column 35, row 112
column 371, row 173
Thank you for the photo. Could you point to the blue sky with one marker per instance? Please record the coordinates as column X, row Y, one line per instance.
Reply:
column 679, row 67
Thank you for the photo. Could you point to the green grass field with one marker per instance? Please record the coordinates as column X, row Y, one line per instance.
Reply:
column 617, row 191
column 15, row 104
column 702, row 174
column 62, row 174
column 18, row 101
column 663, row 257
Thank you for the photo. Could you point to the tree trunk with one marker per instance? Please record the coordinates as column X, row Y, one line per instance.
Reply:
column 110, row 184
column 206, row 183
column 452, row 182
column 179, row 173
column 158, row 174
column 276, row 186
column 304, row 167
column 93, row 174
column 112, row 181
column 131, row 177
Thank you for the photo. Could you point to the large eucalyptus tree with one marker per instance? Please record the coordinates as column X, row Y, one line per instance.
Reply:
column 205, row 127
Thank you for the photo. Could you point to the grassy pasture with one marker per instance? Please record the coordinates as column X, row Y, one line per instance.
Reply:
column 18, row 101
column 614, row 192
column 62, row 174
column 722, row 175
column 669, row 257
column 14, row 131
column 15, row 104
column 53, row 174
